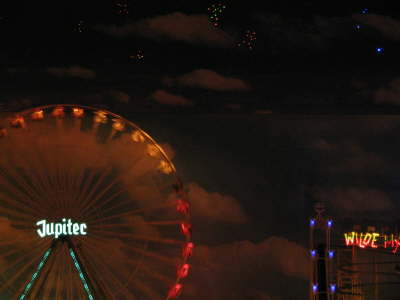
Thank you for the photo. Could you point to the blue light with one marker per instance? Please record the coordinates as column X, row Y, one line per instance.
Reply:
column 364, row 11
column 313, row 253
column 358, row 26
column 330, row 254
column 333, row 288
column 312, row 222
column 330, row 222
column 379, row 49
column 315, row 288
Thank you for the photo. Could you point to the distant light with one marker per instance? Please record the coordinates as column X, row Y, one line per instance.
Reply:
column 330, row 223
column 364, row 11
column 330, row 254
column 333, row 288
column 358, row 26
column 312, row 222
column 315, row 288
column 379, row 49
column 313, row 252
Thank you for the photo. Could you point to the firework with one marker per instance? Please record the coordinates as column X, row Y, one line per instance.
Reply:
column 80, row 26
column 138, row 56
column 249, row 40
column 122, row 7
column 215, row 12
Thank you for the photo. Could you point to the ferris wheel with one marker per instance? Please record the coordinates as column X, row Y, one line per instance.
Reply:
column 90, row 208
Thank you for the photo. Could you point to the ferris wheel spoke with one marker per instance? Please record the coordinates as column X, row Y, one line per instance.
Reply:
column 19, row 212
column 99, row 206
column 126, row 213
column 34, row 167
column 142, row 286
column 95, row 187
column 21, row 270
column 100, row 278
column 15, row 240
column 37, row 175
column 100, row 194
column 57, row 274
column 98, row 260
column 127, row 225
column 138, row 237
column 158, row 275
column 16, row 191
column 87, row 183
column 21, row 182
column 165, row 259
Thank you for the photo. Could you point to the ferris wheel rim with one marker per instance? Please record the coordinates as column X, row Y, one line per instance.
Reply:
column 134, row 126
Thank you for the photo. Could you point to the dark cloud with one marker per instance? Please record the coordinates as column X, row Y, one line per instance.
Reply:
column 215, row 206
column 167, row 98
column 208, row 79
column 389, row 94
column 193, row 29
column 386, row 25
column 73, row 71
column 351, row 157
column 241, row 270
column 350, row 200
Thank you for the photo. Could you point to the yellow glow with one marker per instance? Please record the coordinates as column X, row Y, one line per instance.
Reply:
column 101, row 117
column 58, row 112
column 18, row 121
column 152, row 150
column 374, row 239
column 77, row 112
column 37, row 115
column 118, row 125
column 137, row 136
column 165, row 167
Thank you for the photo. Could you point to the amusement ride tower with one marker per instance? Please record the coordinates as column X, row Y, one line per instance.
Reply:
column 322, row 281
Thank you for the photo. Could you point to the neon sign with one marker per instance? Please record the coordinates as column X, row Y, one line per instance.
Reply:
column 372, row 240
column 64, row 228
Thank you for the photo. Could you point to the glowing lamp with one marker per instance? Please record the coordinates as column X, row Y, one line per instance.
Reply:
column 333, row 288
column 364, row 10
column 152, row 150
column 187, row 250
column 312, row 222
column 58, row 112
column 379, row 49
column 175, row 291
column 137, row 136
column 183, row 271
column 77, row 112
column 313, row 253
column 330, row 254
column 118, row 125
column 329, row 223
column 186, row 229
column 18, row 122
column 165, row 167
column 315, row 288
column 182, row 206
column 37, row 115
column 100, row 117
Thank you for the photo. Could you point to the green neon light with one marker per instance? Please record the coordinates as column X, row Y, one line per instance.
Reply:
column 83, row 279
column 35, row 275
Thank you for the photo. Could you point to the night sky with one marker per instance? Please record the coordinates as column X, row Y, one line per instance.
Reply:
column 273, row 99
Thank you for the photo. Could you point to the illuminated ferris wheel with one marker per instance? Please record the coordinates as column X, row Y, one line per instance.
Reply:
column 90, row 208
